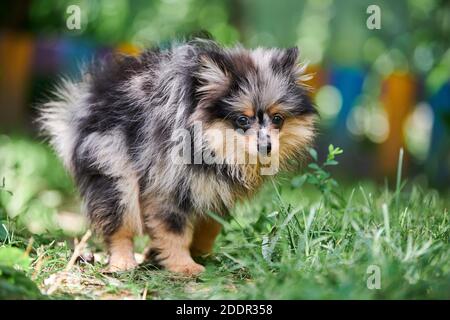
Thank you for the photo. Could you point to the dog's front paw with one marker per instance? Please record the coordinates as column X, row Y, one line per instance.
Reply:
column 188, row 269
column 117, row 264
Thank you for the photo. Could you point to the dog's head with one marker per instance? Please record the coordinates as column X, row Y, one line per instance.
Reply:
column 253, row 105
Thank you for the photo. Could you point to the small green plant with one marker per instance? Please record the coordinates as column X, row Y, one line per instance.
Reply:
column 291, row 226
column 319, row 177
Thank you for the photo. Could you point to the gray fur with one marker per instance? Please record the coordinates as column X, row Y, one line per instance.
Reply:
column 113, row 128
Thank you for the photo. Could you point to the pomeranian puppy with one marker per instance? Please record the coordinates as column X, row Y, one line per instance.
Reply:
column 157, row 141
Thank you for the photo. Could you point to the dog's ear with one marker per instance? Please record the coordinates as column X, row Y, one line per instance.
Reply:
column 286, row 61
column 289, row 59
column 213, row 75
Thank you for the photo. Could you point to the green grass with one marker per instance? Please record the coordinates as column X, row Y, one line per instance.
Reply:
column 305, row 237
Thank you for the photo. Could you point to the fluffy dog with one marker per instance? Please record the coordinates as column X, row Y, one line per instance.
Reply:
column 121, row 128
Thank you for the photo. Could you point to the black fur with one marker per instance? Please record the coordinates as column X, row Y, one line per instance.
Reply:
column 145, row 115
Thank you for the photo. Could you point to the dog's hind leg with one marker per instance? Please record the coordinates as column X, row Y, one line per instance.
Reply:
column 111, row 195
column 110, row 203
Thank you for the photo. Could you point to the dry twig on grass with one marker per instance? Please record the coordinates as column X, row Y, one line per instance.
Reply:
column 76, row 252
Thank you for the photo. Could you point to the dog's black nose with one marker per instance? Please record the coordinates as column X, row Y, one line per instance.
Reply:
column 265, row 148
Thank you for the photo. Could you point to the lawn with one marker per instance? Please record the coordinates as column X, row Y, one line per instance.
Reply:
column 301, row 237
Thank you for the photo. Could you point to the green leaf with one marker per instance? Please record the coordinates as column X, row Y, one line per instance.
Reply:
column 313, row 153
column 338, row 151
column 14, row 285
column 313, row 180
column 334, row 183
column 313, row 166
column 3, row 232
column 330, row 149
column 298, row 181
column 14, row 257
column 323, row 175
column 331, row 163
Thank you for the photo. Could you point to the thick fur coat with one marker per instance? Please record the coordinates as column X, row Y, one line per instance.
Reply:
column 121, row 127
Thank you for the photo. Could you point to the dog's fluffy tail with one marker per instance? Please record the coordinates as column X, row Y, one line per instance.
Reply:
column 58, row 117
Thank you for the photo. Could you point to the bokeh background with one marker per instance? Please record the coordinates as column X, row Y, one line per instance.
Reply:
column 376, row 90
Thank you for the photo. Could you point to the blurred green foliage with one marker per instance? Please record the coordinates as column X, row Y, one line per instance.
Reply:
column 413, row 35
column 35, row 185
column 140, row 22
column 15, row 285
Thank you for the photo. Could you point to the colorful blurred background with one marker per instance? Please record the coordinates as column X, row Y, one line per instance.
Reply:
column 377, row 90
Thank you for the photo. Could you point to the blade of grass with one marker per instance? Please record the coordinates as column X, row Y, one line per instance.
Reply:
column 218, row 219
column 399, row 177
column 386, row 220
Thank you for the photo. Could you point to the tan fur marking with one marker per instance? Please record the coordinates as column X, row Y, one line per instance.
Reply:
column 274, row 109
column 248, row 111
column 121, row 251
column 205, row 232
column 174, row 248
column 296, row 134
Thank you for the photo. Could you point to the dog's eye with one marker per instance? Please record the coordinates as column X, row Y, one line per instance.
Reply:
column 243, row 121
column 277, row 120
